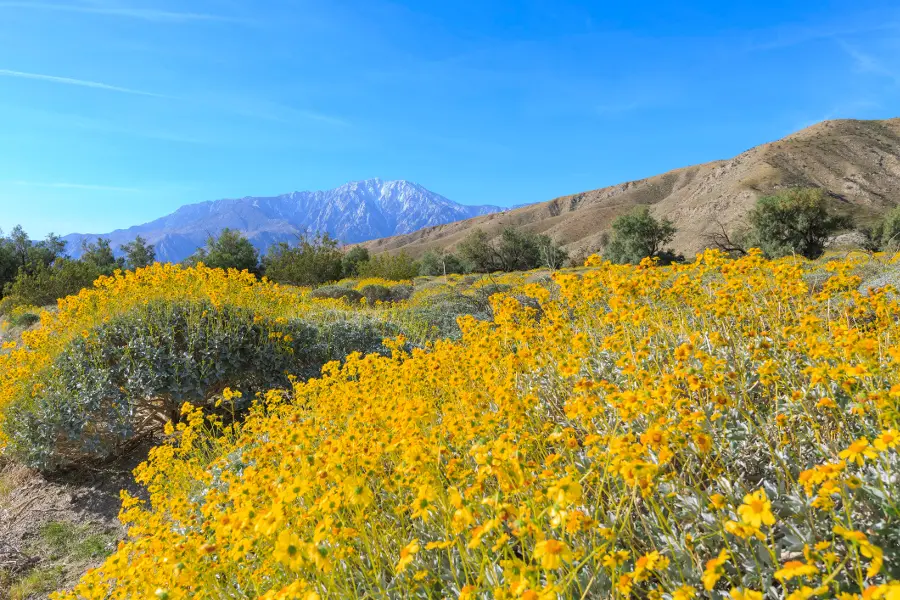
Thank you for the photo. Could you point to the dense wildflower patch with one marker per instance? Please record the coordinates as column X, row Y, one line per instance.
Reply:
column 118, row 330
column 718, row 429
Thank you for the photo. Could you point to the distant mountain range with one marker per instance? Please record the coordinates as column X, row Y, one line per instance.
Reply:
column 355, row 212
column 856, row 162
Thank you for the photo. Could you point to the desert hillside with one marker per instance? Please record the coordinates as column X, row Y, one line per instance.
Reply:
column 858, row 162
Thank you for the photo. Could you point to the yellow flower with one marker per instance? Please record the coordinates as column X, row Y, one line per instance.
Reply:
column 407, row 554
column 288, row 550
column 858, row 452
column 889, row 438
column 756, row 510
column 552, row 553
column 795, row 568
column 685, row 592
column 806, row 592
column 715, row 569
column 717, row 501
column 744, row 594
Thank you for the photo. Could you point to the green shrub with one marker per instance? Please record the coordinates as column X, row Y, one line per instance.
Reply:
column 440, row 263
column 337, row 292
column 794, row 221
column 23, row 320
column 8, row 303
column 435, row 317
column 396, row 267
column 381, row 293
column 45, row 285
column 638, row 235
column 230, row 250
column 312, row 261
column 484, row 292
column 130, row 375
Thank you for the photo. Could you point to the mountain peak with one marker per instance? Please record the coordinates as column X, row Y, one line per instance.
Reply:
column 354, row 212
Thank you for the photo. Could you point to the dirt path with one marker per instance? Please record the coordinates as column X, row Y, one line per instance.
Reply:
column 53, row 528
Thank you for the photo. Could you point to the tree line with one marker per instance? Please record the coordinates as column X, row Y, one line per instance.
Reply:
column 793, row 221
column 38, row 273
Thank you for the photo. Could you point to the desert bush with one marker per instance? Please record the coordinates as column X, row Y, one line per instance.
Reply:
column 395, row 267
column 638, row 235
column 794, row 221
column 336, row 292
column 441, row 263
column 711, row 430
column 131, row 375
column 311, row 262
column 436, row 316
column 45, row 284
column 380, row 293
column 24, row 319
column 352, row 259
column 228, row 250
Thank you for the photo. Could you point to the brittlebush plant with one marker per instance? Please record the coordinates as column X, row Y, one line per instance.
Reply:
column 712, row 430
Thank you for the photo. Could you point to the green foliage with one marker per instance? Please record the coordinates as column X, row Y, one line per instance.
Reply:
column 638, row 235
column 551, row 254
column 381, row 293
column 515, row 250
column 99, row 254
column 23, row 320
column 37, row 583
column 885, row 234
column 336, row 292
column 476, row 250
column 132, row 374
column 139, row 254
column 436, row 316
column 354, row 257
column 395, row 267
column 313, row 261
column 18, row 253
column 795, row 221
column 230, row 250
column 440, row 263
column 43, row 284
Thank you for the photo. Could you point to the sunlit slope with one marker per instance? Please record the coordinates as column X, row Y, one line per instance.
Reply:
column 720, row 429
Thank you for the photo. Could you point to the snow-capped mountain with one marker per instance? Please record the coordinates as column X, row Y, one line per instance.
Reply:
column 355, row 212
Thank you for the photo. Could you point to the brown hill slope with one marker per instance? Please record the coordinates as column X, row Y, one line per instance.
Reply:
column 857, row 162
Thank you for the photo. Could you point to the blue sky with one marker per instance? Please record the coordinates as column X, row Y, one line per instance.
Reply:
column 115, row 112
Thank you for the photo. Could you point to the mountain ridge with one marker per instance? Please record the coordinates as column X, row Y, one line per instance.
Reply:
column 354, row 212
column 857, row 162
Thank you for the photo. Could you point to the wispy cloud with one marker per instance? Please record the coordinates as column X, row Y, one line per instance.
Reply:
column 146, row 14
column 75, row 186
column 785, row 37
column 867, row 63
column 77, row 82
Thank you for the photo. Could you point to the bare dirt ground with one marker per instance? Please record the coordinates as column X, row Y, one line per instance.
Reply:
column 55, row 527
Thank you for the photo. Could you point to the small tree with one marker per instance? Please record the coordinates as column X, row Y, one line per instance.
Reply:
column 476, row 249
column 795, row 221
column 552, row 255
column 100, row 255
column 8, row 264
column 396, row 267
column 638, row 235
column 354, row 257
column 517, row 250
column 440, row 263
column 313, row 261
column 885, row 234
column 231, row 250
column 44, row 284
column 139, row 254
